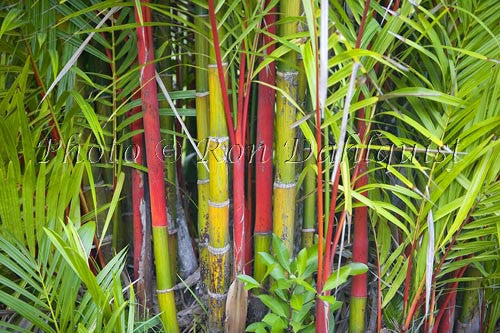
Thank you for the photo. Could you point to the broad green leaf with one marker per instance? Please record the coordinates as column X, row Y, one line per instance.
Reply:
column 281, row 253
column 340, row 277
column 275, row 305
column 250, row 282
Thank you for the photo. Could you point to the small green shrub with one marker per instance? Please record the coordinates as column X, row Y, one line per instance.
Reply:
column 291, row 295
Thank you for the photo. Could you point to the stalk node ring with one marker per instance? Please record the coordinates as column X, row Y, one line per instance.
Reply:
column 218, row 139
column 218, row 204
column 218, row 251
column 215, row 65
column 216, row 295
column 288, row 75
column 164, row 291
column 278, row 184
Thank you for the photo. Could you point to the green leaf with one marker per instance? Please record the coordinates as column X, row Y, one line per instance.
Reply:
column 301, row 262
column 281, row 253
column 297, row 301
column 258, row 327
column 250, row 282
column 11, row 21
column 91, row 117
column 334, row 304
column 277, row 323
column 340, row 277
column 275, row 305
column 113, row 205
column 394, row 287
column 424, row 93
column 306, row 285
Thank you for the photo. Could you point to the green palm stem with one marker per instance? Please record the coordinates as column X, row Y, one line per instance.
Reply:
column 149, row 97
column 310, row 189
column 98, row 183
column 102, row 177
column 105, row 110
column 202, row 127
column 108, row 174
column 285, row 178
column 117, row 241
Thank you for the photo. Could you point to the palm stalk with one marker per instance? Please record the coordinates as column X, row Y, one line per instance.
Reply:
column 309, row 185
column 322, row 311
column 240, row 218
column 168, row 148
column 285, row 182
column 202, row 127
column 360, row 243
column 142, row 232
column 310, row 189
column 222, row 132
column 169, row 156
column 156, row 181
column 218, row 204
column 264, row 161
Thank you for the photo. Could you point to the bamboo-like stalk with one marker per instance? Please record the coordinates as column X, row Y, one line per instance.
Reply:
column 218, row 204
column 168, row 154
column 250, row 190
column 152, row 136
column 162, row 35
column 263, row 160
column 309, row 186
column 142, row 232
column 285, row 180
column 202, row 127
column 322, row 311
column 310, row 189
column 360, row 241
column 236, row 310
column 359, row 285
